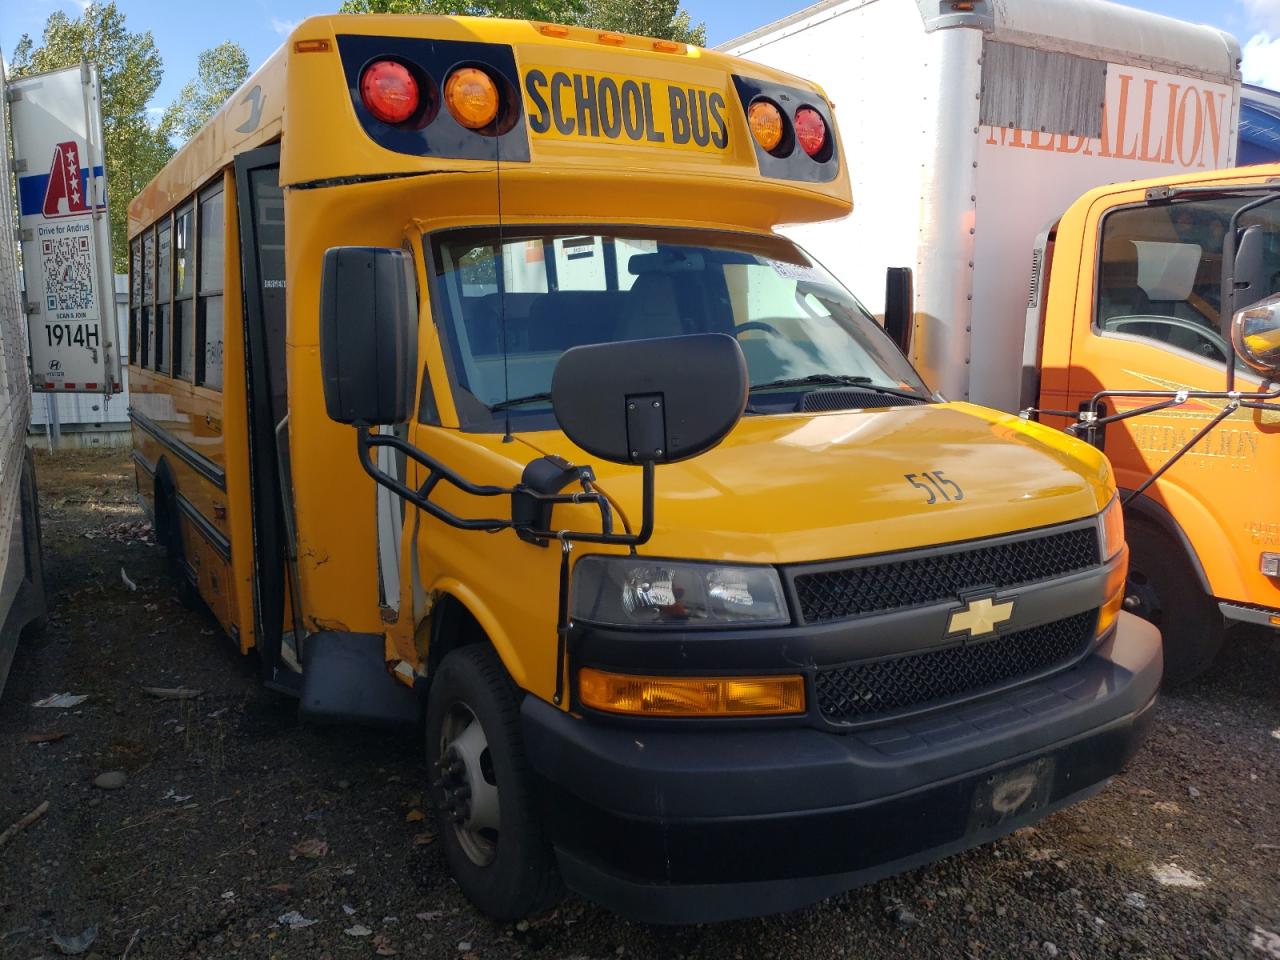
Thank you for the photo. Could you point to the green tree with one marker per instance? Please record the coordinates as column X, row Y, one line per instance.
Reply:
column 650, row 18
column 555, row 11
column 130, row 70
column 219, row 72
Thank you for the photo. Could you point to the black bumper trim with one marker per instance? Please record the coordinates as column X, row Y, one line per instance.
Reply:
column 693, row 826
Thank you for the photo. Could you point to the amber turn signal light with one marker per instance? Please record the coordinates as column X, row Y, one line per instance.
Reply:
column 472, row 97
column 690, row 696
column 1115, row 597
column 765, row 120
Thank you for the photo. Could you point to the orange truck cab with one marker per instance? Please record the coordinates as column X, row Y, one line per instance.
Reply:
column 1152, row 331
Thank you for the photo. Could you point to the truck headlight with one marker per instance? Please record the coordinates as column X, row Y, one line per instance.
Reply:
column 1111, row 529
column 639, row 592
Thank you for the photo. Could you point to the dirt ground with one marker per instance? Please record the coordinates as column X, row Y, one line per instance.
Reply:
column 235, row 819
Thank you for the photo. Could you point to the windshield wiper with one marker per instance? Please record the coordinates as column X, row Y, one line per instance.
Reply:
column 520, row 401
column 839, row 379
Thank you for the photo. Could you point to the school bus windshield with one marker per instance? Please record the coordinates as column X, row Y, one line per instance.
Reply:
column 511, row 303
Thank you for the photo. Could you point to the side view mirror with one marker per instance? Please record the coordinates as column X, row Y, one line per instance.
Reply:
column 899, row 307
column 1255, row 334
column 368, row 335
column 651, row 401
column 1249, row 273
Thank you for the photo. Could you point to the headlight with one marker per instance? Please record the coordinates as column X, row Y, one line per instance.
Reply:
column 638, row 592
column 1111, row 529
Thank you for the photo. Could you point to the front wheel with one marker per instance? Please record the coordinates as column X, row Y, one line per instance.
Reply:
column 1164, row 589
column 482, row 789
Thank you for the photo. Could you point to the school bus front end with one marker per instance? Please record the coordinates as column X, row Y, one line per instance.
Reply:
column 711, row 607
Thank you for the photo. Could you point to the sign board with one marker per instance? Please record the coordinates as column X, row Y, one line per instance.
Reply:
column 66, row 233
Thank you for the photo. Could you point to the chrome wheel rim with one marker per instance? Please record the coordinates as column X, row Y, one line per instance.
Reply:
column 467, row 784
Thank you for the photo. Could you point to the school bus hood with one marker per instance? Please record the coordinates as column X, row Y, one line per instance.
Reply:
column 786, row 489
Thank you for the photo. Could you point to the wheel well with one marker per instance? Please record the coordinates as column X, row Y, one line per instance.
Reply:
column 1142, row 511
column 163, row 492
column 452, row 627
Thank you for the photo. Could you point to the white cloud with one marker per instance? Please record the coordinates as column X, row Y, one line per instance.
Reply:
column 1261, row 64
column 1264, row 13
column 286, row 27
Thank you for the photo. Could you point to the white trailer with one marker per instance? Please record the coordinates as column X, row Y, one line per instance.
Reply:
column 22, row 601
column 970, row 127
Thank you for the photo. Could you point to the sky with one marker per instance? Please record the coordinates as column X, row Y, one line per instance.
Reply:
column 260, row 25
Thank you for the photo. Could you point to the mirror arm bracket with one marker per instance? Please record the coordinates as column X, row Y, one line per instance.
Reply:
column 366, row 439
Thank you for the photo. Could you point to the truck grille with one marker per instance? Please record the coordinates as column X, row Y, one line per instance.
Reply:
column 858, row 692
column 838, row 594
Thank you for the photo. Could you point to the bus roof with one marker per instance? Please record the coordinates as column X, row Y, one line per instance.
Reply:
column 676, row 111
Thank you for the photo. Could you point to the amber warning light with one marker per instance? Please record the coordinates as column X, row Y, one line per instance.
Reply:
column 472, row 97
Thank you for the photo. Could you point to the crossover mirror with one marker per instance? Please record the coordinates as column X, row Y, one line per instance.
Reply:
column 368, row 335
column 1255, row 334
column 651, row 401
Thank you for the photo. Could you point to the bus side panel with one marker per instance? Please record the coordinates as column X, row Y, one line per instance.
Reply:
column 177, row 433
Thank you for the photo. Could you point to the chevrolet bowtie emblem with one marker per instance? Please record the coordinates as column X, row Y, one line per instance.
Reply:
column 980, row 617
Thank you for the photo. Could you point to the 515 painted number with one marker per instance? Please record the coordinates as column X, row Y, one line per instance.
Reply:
column 938, row 487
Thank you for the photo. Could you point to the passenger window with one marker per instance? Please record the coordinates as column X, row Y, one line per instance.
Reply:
column 164, row 292
column 135, row 297
column 208, row 333
column 1160, row 273
column 183, row 288
column 148, row 298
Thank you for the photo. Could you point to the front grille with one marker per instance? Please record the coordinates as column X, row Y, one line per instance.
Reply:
column 858, row 692
column 856, row 590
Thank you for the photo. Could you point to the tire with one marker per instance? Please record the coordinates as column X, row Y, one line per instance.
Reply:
column 508, row 872
column 1164, row 589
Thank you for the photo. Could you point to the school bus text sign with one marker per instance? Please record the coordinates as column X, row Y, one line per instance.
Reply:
column 585, row 105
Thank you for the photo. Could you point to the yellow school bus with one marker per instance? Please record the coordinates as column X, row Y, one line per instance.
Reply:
column 474, row 388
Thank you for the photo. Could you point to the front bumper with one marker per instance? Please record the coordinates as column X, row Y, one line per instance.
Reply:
column 683, row 826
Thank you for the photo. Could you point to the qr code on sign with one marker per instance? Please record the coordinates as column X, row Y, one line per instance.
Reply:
column 68, row 271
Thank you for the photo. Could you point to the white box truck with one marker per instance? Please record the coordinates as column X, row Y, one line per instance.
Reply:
column 971, row 126
column 22, row 599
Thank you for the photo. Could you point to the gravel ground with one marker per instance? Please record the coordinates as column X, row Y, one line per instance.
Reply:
column 233, row 818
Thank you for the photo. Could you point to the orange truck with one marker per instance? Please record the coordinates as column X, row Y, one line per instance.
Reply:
column 1153, row 330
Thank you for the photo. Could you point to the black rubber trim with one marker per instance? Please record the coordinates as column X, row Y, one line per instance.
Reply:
column 148, row 467
column 794, row 164
column 434, row 132
column 215, row 537
column 721, row 871
column 192, row 458
column 673, row 826
column 345, row 680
